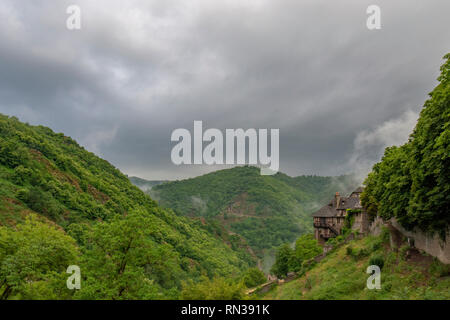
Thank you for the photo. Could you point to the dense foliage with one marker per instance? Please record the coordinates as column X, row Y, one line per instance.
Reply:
column 292, row 260
column 33, row 260
column 412, row 182
column 87, row 213
column 219, row 288
column 283, row 261
column 254, row 277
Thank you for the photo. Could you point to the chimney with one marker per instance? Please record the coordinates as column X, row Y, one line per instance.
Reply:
column 337, row 198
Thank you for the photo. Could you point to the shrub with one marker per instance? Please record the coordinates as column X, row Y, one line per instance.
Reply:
column 377, row 260
column 215, row 289
column 375, row 246
column 363, row 252
column 307, row 265
column 40, row 202
column 21, row 175
column 336, row 241
column 254, row 277
column 403, row 251
column 440, row 269
column 350, row 251
column 387, row 287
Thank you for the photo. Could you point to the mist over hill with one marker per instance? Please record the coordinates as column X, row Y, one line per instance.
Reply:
column 145, row 185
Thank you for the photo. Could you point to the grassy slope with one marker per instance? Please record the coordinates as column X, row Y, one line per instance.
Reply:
column 342, row 276
column 49, row 173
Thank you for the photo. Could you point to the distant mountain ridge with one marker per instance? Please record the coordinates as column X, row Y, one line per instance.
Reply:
column 145, row 185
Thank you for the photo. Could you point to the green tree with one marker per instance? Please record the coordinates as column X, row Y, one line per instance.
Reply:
column 412, row 182
column 114, row 267
column 283, row 261
column 218, row 288
column 254, row 277
column 429, row 160
column 306, row 247
column 34, row 258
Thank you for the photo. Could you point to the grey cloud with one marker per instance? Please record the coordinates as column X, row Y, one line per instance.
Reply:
column 137, row 71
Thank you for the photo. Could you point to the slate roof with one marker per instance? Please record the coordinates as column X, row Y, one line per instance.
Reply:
column 331, row 209
column 326, row 211
column 350, row 203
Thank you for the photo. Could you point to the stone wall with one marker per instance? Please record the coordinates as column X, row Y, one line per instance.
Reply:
column 376, row 226
column 433, row 245
column 361, row 222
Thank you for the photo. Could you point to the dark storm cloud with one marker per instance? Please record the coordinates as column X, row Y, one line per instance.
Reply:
column 338, row 92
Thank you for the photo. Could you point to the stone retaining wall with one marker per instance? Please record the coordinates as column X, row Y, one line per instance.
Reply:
column 433, row 245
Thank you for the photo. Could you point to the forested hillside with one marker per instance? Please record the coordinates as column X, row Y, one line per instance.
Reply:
column 61, row 205
column 266, row 210
column 412, row 182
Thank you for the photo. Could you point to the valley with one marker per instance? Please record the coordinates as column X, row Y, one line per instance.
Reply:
column 264, row 211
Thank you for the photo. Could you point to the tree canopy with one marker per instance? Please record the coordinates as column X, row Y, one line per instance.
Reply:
column 412, row 182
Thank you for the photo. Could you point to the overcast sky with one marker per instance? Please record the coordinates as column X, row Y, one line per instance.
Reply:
column 338, row 92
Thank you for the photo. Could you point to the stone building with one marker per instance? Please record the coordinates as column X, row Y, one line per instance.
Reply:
column 330, row 219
